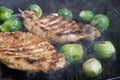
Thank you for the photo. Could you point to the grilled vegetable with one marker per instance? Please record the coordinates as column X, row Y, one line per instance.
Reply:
column 66, row 13
column 92, row 67
column 101, row 22
column 74, row 52
column 105, row 49
column 86, row 15
column 5, row 13
column 12, row 24
column 36, row 8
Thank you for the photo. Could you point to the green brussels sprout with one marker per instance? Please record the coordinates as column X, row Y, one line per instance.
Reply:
column 12, row 24
column 74, row 52
column 86, row 15
column 5, row 13
column 104, row 48
column 65, row 13
column 101, row 22
column 36, row 8
column 92, row 68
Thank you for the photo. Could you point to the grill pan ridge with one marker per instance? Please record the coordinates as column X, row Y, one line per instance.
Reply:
column 73, row 71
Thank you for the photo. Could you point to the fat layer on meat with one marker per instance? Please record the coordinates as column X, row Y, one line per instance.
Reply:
column 25, row 51
column 56, row 29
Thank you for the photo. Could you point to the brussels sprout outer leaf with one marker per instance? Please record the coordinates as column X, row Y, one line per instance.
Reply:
column 74, row 52
column 65, row 13
column 12, row 24
column 5, row 13
column 86, row 15
column 36, row 8
column 92, row 67
column 104, row 48
column 101, row 22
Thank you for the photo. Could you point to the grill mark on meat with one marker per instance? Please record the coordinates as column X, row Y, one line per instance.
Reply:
column 30, row 60
column 30, row 17
column 53, row 63
column 81, row 25
column 56, row 25
column 10, row 54
column 42, row 26
column 53, row 26
column 5, row 50
column 59, row 34
column 44, row 29
column 53, row 18
column 60, row 23
column 36, row 24
column 88, row 30
column 50, row 49
column 54, row 22
column 18, row 58
column 75, row 32
column 43, row 20
column 32, row 54
column 57, row 56
column 74, row 27
column 62, row 26
column 65, row 31
column 42, row 59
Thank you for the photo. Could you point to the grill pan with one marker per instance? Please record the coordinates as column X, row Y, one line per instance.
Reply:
column 111, row 66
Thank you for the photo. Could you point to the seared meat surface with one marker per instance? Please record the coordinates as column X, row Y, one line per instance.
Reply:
column 25, row 51
column 56, row 29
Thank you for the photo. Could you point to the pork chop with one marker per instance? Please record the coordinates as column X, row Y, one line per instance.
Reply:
column 56, row 29
column 28, row 52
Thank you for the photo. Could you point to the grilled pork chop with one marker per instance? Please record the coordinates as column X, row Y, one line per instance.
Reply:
column 25, row 51
column 56, row 29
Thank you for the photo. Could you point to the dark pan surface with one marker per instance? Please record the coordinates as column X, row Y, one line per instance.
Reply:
column 111, row 66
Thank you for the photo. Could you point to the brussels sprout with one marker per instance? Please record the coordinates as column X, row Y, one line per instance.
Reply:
column 36, row 8
column 74, row 52
column 92, row 68
column 12, row 24
column 86, row 15
column 5, row 13
column 66, row 13
column 101, row 22
column 104, row 48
